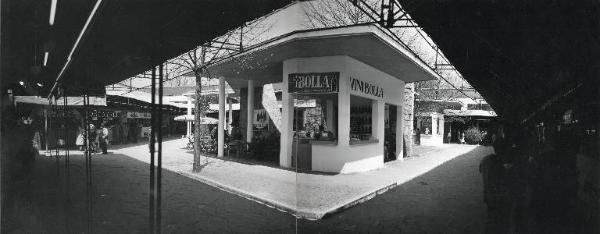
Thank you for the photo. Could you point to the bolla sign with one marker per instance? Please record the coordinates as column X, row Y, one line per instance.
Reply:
column 365, row 87
column 326, row 82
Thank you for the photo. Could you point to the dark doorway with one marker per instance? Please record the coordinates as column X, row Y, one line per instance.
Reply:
column 389, row 143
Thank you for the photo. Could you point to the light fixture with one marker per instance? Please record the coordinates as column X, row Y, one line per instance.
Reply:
column 40, row 85
column 22, row 83
column 46, row 57
column 52, row 11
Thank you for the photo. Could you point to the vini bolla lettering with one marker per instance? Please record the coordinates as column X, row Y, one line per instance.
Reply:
column 366, row 88
column 312, row 81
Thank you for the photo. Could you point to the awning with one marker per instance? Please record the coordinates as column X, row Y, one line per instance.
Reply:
column 215, row 107
column 479, row 113
column 71, row 101
column 367, row 43
column 191, row 118
column 145, row 97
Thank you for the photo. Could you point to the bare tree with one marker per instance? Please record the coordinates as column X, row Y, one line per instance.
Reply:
column 195, row 62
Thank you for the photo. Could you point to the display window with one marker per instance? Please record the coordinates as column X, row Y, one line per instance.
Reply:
column 315, row 116
column 361, row 114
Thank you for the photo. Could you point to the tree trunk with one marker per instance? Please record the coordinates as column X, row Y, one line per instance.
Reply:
column 197, row 116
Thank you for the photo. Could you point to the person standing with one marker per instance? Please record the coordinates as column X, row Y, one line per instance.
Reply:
column 498, row 175
column 80, row 138
column 98, row 139
column 418, row 138
column 525, row 170
column 104, row 138
column 27, row 150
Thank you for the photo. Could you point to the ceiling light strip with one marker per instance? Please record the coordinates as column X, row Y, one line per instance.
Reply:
column 46, row 54
column 52, row 12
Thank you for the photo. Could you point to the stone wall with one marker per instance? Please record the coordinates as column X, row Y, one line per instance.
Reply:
column 408, row 112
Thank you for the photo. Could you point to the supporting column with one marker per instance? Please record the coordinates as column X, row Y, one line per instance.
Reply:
column 434, row 125
column 230, row 117
column 250, row 119
column 226, row 123
column 188, row 132
column 220, row 128
column 287, row 134
column 46, row 131
column 378, row 126
column 343, row 113
column 376, row 119
column 400, row 131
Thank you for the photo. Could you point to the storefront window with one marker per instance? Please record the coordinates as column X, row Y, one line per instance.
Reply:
column 361, row 113
column 315, row 116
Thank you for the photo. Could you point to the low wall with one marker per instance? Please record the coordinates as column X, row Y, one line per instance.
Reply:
column 432, row 140
column 347, row 159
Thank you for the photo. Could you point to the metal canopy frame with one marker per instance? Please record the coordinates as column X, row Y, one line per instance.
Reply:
column 390, row 14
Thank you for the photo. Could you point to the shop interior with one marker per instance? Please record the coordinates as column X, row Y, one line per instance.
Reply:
column 315, row 120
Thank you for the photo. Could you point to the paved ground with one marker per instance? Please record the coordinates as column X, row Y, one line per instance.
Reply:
column 306, row 195
column 446, row 199
column 120, row 202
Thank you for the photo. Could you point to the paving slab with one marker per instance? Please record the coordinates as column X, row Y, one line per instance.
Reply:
column 304, row 195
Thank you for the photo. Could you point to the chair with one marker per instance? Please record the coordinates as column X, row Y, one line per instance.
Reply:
column 236, row 146
column 207, row 144
column 190, row 143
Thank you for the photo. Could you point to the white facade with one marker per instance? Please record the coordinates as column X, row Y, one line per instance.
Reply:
column 342, row 156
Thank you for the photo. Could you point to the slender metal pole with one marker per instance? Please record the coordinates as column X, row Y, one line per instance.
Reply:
column 159, row 170
column 90, row 191
column 88, row 154
column 67, row 153
column 57, row 133
column 152, row 131
column 47, row 153
column 67, row 173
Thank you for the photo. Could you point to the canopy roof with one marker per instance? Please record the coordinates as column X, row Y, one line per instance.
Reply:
column 482, row 113
column 521, row 56
column 367, row 43
column 71, row 101
column 124, row 38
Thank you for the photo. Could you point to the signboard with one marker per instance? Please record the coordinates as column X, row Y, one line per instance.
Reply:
column 261, row 118
column 366, row 88
column 324, row 82
column 104, row 114
column 139, row 115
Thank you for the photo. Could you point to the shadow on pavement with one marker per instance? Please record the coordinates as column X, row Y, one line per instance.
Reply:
column 56, row 201
column 447, row 199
